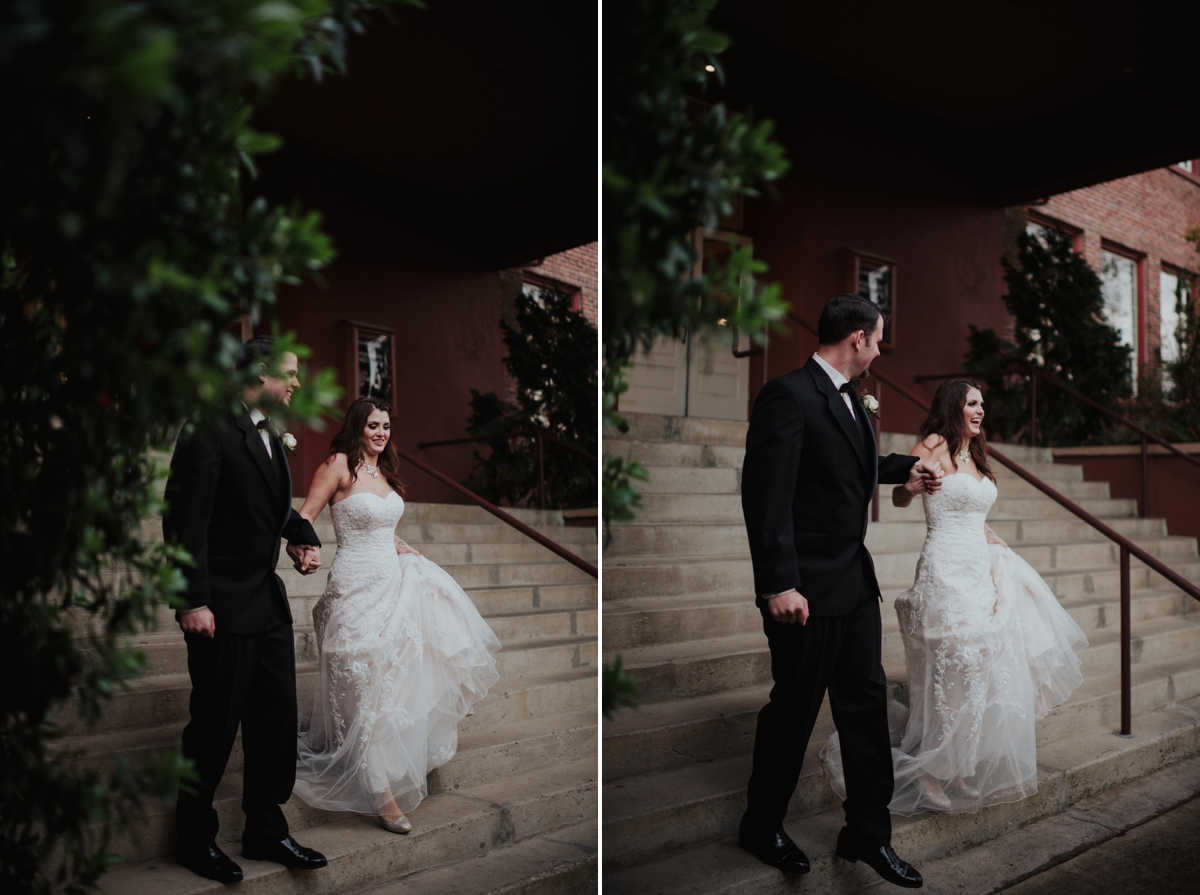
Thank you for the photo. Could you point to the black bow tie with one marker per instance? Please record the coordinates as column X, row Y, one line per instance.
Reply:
column 849, row 386
column 262, row 424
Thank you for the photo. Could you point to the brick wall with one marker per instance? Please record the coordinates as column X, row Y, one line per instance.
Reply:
column 580, row 267
column 1147, row 213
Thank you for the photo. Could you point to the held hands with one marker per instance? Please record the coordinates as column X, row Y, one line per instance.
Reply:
column 198, row 621
column 789, row 607
column 306, row 559
column 403, row 548
column 925, row 477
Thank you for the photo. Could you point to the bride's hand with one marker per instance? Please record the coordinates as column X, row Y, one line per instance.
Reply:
column 403, row 548
column 993, row 538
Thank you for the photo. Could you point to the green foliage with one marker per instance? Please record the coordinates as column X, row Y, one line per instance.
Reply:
column 618, row 688
column 666, row 171
column 1055, row 299
column 128, row 250
column 551, row 354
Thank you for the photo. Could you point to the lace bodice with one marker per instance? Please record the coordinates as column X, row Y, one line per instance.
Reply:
column 364, row 524
column 956, row 543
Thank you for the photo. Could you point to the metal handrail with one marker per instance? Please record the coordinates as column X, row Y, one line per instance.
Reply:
column 536, row 433
column 1127, row 547
column 520, row 526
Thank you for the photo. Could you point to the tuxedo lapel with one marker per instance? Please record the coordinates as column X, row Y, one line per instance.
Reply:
column 285, row 474
column 837, row 407
column 258, row 450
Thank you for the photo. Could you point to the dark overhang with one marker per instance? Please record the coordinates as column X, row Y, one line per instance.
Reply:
column 467, row 130
column 1020, row 99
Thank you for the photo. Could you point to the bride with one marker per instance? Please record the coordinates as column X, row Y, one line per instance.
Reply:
column 988, row 648
column 403, row 652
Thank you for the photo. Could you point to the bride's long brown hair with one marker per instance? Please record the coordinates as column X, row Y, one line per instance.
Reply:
column 946, row 419
column 349, row 440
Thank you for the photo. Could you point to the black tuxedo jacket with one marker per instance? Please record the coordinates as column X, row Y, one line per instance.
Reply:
column 807, row 481
column 229, row 504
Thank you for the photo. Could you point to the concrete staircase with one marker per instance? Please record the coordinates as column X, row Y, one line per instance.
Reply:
column 678, row 606
column 514, row 811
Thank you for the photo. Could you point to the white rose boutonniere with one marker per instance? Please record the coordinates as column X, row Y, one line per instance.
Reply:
column 869, row 402
column 289, row 440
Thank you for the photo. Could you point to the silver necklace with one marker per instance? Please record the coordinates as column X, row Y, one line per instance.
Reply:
column 370, row 470
column 964, row 455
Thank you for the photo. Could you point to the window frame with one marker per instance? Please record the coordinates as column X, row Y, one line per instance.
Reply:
column 545, row 282
column 1139, row 299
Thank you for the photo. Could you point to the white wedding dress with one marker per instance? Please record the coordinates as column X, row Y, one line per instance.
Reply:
column 404, row 655
column 989, row 651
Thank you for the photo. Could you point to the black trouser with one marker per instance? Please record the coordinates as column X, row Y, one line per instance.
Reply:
column 842, row 654
column 246, row 679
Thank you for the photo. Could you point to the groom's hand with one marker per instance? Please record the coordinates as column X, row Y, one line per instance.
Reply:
column 789, row 607
column 198, row 621
column 305, row 559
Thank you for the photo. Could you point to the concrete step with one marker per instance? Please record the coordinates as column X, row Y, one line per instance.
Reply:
column 632, row 576
column 560, row 862
column 679, row 539
column 1118, row 841
column 162, row 700
column 692, row 668
column 691, row 480
column 644, row 621
column 1084, row 774
column 447, row 827
column 649, row 817
column 490, row 601
column 485, row 753
column 662, row 453
column 534, row 643
column 685, row 429
column 678, row 733
column 693, row 539
column 468, row 577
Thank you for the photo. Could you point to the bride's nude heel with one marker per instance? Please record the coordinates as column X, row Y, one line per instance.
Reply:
column 938, row 799
column 399, row 824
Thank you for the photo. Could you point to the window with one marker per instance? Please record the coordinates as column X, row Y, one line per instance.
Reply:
column 532, row 284
column 1173, row 296
column 874, row 278
column 1189, row 166
column 1119, row 283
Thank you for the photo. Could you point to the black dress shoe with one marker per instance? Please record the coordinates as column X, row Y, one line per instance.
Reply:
column 287, row 852
column 774, row 848
column 209, row 862
column 879, row 858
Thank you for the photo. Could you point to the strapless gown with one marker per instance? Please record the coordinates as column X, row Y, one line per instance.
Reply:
column 404, row 655
column 988, row 650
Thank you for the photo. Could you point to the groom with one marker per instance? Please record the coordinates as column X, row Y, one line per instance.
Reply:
column 230, row 500
column 810, row 471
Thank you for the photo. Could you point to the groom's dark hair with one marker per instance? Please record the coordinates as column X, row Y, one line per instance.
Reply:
column 843, row 315
column 257, row 350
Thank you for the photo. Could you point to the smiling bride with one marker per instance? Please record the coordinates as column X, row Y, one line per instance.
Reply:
column 404, row 654
column 988, row 648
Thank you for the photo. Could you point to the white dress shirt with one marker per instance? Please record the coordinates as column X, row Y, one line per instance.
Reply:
column 256, row 417
column 838, row 381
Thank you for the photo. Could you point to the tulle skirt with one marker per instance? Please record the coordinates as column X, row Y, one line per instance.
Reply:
column 401, row 663
column 976, row 687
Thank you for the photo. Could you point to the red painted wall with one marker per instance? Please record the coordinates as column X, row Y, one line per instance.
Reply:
column 447, row 325
column 946, row 245
column 1174, row 486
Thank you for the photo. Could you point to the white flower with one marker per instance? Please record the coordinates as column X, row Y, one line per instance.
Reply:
column 289, row 440
column 869, row 402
